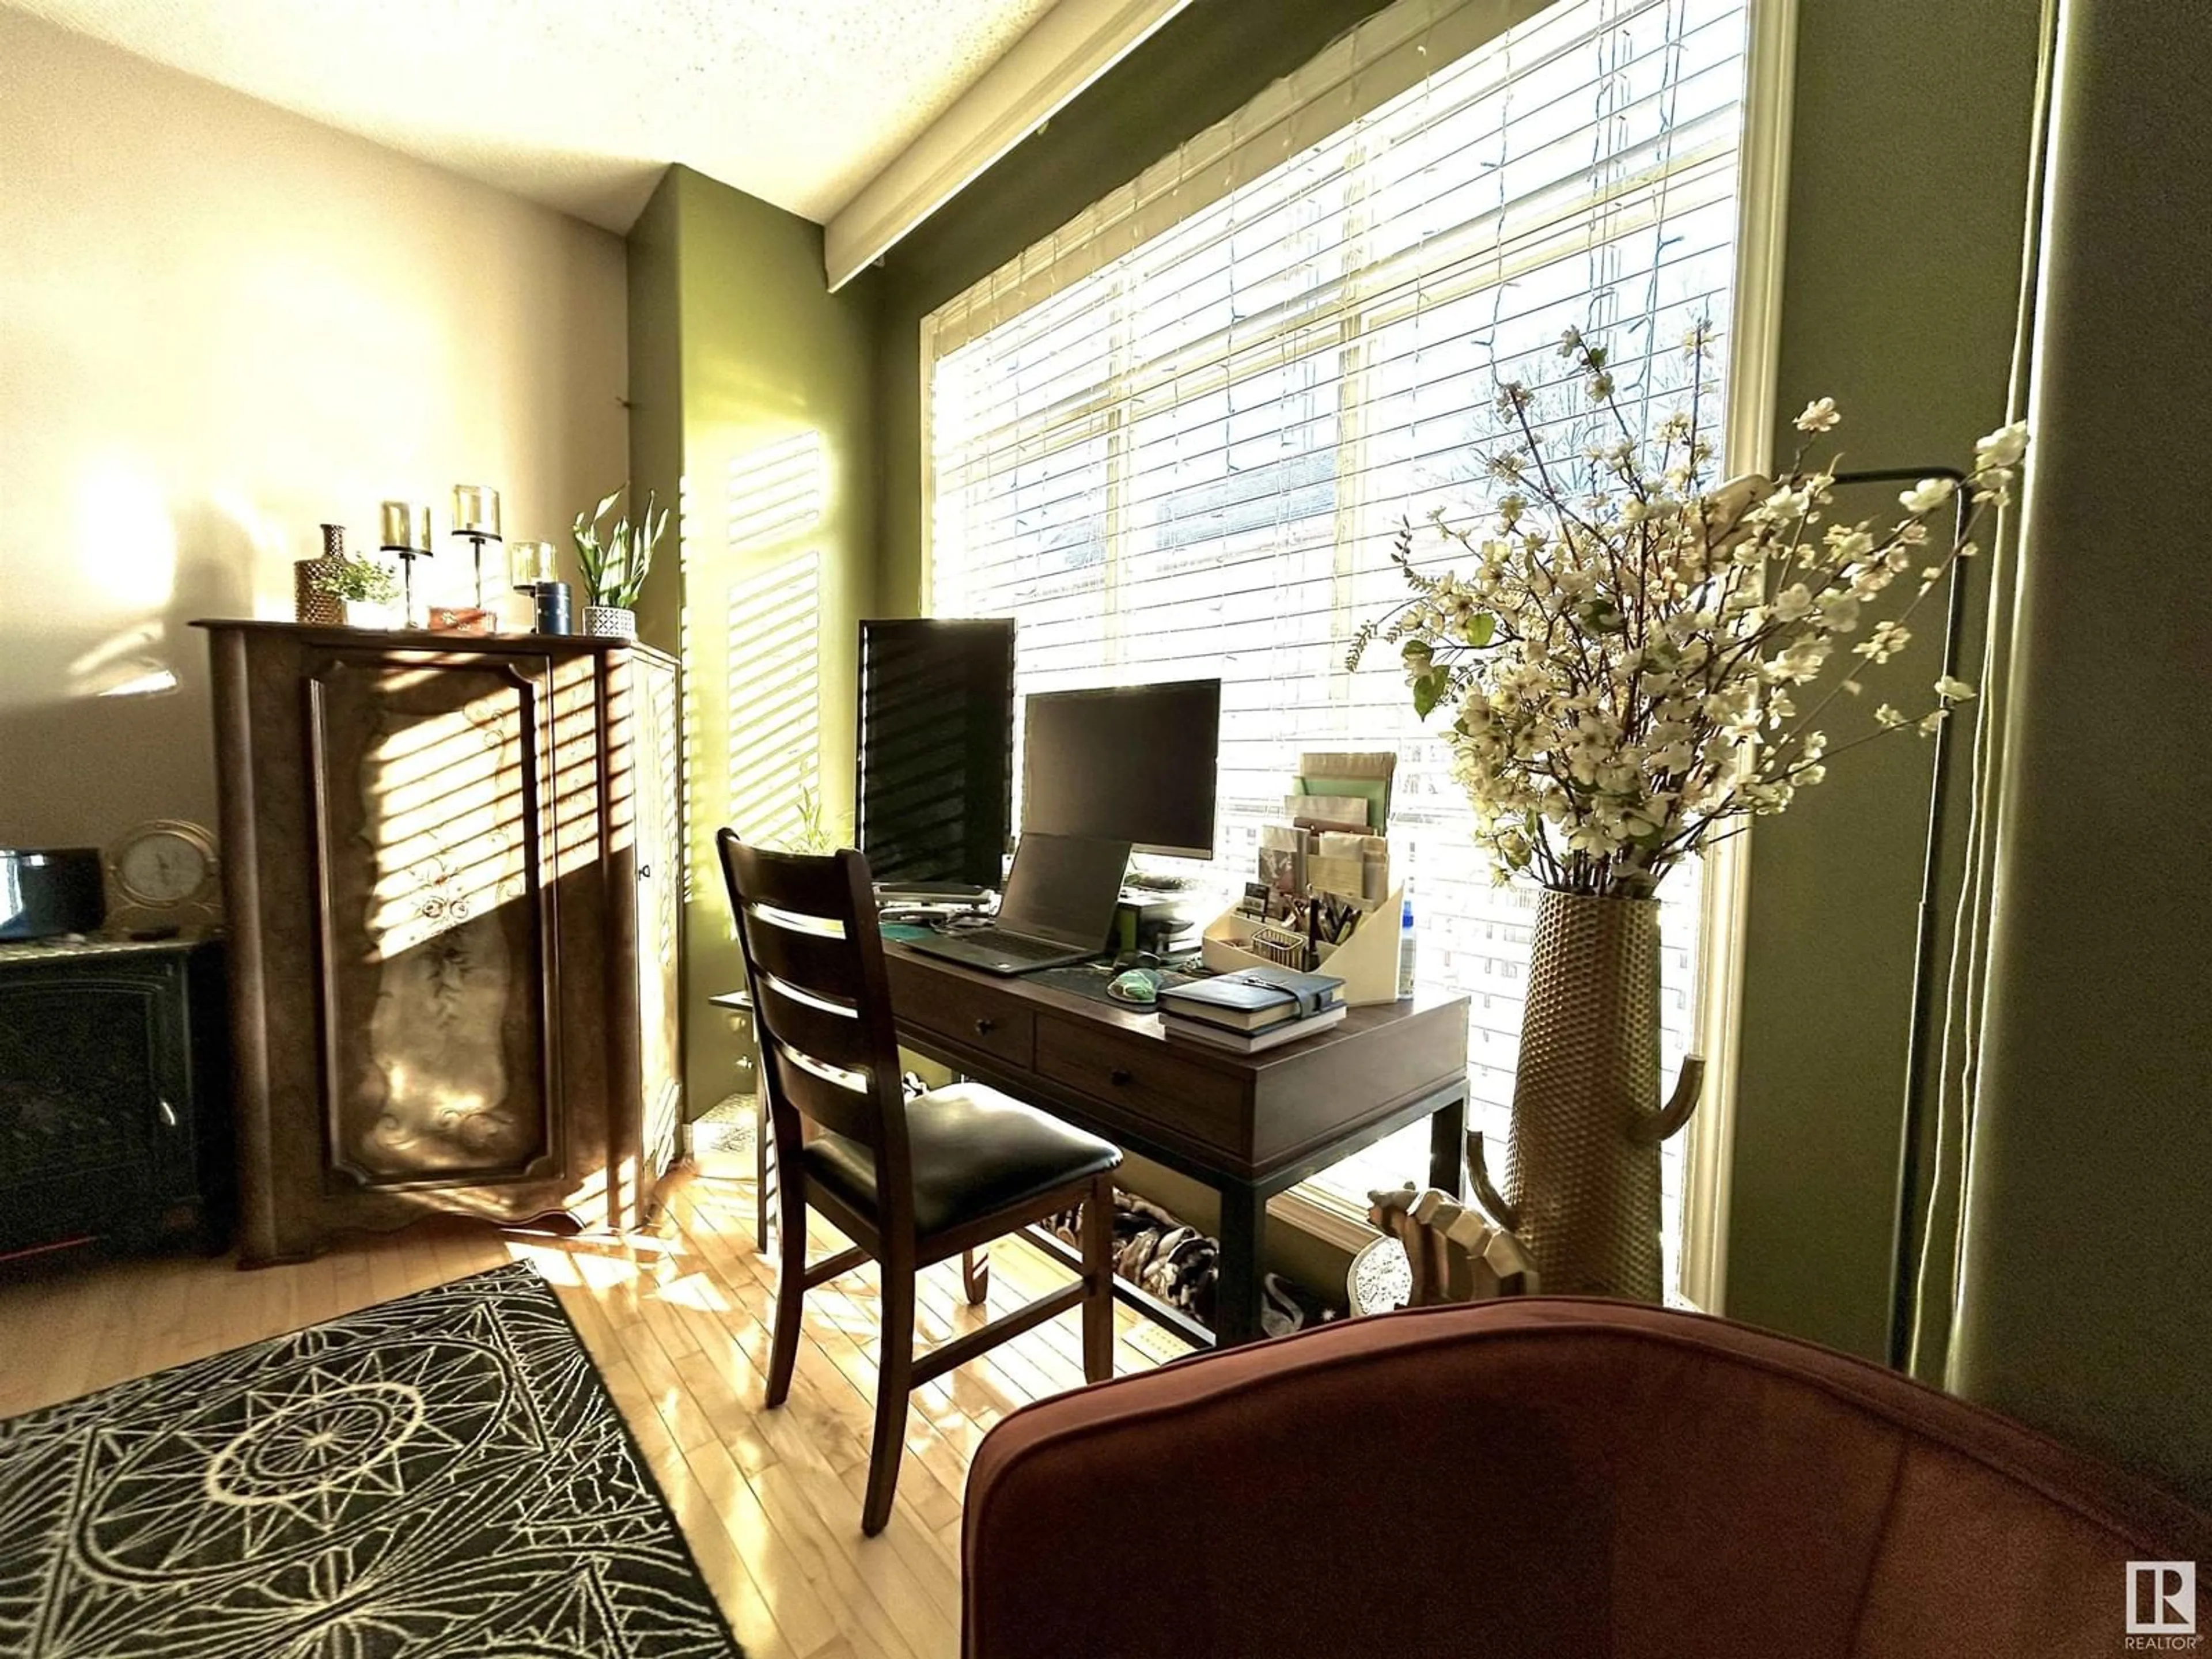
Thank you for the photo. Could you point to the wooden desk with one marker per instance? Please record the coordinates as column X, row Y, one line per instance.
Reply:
column 1247, row 1126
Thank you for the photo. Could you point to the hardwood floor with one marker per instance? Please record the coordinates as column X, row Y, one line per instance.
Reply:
column 677, row 1318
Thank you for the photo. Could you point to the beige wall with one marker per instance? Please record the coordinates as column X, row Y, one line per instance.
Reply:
column 221, row 325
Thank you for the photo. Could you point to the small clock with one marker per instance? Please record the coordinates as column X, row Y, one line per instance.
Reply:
column 165, row 871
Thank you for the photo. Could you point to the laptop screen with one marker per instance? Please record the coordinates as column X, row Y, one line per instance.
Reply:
column 1064, row 887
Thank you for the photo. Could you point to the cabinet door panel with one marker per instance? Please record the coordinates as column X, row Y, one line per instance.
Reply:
column 659, row 830
column 432, row 851
column 92, row 1114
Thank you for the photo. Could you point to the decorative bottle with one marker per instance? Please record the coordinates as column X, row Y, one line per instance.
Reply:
column 1406, row 945
column 315, row 582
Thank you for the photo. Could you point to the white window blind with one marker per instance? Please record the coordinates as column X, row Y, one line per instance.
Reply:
column 1191, row 458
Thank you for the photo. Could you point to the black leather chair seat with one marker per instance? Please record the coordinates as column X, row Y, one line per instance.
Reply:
column 975, row 1151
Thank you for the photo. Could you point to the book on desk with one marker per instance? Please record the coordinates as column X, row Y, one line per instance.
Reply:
column 1253, row 1010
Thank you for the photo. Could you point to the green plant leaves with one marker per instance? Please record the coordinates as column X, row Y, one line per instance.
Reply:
column 615, row 568
column 365, row 580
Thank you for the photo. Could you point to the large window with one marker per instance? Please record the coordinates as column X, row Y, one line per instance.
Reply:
column 1190, row 457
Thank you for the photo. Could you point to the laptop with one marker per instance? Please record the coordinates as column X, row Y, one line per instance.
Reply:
column 1058, row 909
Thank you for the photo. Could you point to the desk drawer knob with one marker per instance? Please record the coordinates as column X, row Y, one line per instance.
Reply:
column 985, row 1027
column 1120, row 1076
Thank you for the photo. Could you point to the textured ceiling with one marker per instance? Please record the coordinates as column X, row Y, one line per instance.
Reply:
column 579, row 103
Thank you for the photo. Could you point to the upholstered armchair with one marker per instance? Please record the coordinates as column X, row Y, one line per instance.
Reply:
column 1540, row 1477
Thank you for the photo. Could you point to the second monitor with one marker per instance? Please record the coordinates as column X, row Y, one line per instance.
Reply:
column 1133, row 763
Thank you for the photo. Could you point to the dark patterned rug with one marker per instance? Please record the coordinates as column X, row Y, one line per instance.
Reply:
column 443, row 1475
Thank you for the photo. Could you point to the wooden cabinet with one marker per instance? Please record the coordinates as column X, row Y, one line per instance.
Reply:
column 114, row 1121
column 451, row 866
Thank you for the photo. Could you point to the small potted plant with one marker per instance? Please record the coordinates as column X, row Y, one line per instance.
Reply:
column 615, row 566
column 366, row 590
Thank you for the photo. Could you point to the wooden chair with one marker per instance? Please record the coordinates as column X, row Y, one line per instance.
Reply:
column 911, row 1181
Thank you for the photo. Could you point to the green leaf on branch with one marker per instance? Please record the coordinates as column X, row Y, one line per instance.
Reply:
column 1429, row 691
column 1362, row 637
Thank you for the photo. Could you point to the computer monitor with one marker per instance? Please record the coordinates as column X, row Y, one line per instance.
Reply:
column 934, row 798
column 1132, row 762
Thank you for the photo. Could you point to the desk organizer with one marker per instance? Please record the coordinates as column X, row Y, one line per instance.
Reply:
column 1367, row 961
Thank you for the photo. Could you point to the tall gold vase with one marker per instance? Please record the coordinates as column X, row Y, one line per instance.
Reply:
column 1581, row 1176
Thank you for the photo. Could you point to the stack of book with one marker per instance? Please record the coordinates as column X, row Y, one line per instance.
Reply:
column 1253, row 1009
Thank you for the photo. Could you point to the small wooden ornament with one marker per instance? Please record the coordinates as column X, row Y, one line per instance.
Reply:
column 1453, row 1253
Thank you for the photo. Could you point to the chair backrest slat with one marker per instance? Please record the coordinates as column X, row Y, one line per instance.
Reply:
column 823, row 1033
column 799, row 883
column 822, row 964
column 814, row 961
column 850, row 1112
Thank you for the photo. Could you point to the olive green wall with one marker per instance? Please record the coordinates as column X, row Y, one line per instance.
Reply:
column 656, row 399
column 754, row 394
column 1909, row 155
column 2088, row 1268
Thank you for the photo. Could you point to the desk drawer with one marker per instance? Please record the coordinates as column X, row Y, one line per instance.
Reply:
column 1138, row 1076
column 978, row 1017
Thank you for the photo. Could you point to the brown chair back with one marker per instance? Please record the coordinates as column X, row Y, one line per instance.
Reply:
column 821, row 1006
column 1540, row 1476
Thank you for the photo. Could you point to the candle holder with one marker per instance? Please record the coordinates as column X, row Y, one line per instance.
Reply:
column 407, row 533
column 476, row 519
column 528, row 565
column 476, row 540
